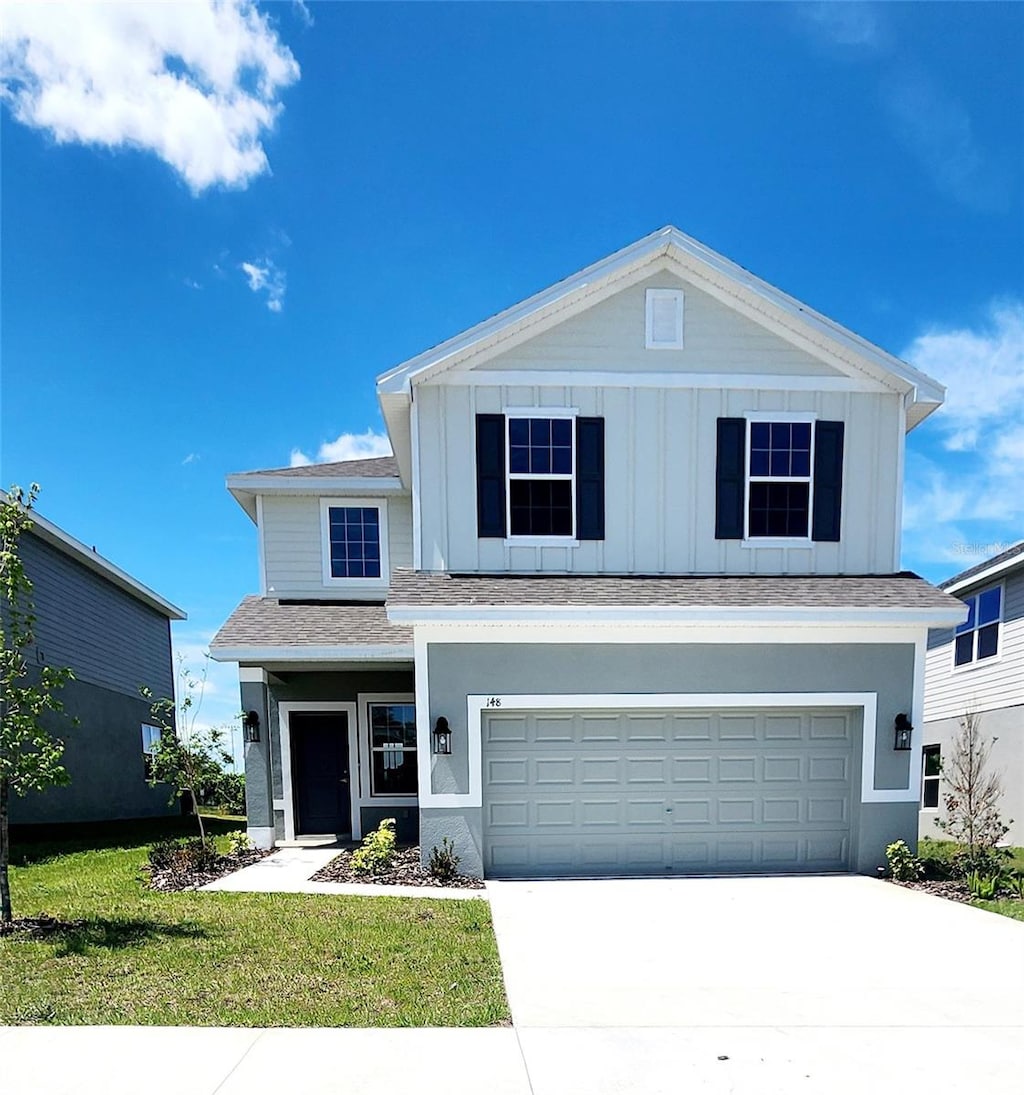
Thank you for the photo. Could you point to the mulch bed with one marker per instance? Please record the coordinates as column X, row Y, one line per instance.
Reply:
column 172, row 879
column 405, row 870
column 39, row 927
column 950, row 889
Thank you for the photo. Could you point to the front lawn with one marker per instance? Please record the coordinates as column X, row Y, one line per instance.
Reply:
column 1004, row 906
column 226, row 959
column 936, row 857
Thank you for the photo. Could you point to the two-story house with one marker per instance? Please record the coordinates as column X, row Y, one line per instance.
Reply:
column 979, row 667
column 625, row 601
column 114, row 634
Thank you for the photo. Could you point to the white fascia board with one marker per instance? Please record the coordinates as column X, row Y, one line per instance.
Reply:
column 499, row 614
column 264, row 654
column 985, row 575
column 314, row 484
column 697, row 263
column 92, row 560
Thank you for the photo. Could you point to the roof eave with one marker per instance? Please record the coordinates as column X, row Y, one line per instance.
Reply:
column 240, row 652
column 998, row 570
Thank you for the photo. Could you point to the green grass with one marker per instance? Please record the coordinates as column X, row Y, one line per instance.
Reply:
column 235, row 959
column 1004, row 906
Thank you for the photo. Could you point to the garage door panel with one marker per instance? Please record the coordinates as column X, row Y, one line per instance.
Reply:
column 672, row 792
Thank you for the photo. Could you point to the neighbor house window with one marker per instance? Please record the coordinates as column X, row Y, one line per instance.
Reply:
column 540, row 476
column 150, row 738
column 354, row 540
column 931, row 774
column 392, row 749
column 779, row 479
column 977, row 637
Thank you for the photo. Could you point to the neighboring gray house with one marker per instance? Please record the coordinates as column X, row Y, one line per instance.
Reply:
column 979, row 666
column 625, row 601
column 114, row 634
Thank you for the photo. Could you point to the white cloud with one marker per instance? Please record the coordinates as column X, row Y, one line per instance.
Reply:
column 938, row 130
column 264, row 276
column 346, row 446
column 197, row 83
column 967, row 498
column 846, row 24
column 192, row 458
column 983, row 370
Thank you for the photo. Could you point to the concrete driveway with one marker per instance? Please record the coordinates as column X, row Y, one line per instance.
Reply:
column 828, row 984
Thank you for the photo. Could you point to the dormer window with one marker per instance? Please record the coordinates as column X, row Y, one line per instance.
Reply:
column 664, row 319
column 354, row 541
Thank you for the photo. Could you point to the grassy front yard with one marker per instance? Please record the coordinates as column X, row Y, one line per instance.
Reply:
column 236, row 959
column 936, row 856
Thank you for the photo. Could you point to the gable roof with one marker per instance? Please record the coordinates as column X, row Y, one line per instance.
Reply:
column 90, row 558
column 709, row 271
column 1010, row 559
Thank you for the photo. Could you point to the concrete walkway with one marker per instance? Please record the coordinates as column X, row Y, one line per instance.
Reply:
column 290, row 869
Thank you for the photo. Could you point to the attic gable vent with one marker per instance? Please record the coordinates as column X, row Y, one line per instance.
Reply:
column 664, row 319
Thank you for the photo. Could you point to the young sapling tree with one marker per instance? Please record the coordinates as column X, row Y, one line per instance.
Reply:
column 30, row 757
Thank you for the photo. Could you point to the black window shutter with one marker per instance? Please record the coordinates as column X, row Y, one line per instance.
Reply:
column 589, row 478
column 490, row 475
column 730, row 485
column 828, row 479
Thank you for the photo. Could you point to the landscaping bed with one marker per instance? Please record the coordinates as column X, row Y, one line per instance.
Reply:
column 193, row 876
column 405, row 870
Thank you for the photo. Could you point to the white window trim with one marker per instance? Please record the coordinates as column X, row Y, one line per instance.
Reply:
column 381, row 506
column 155, row 738
column 976, row 662
column 924, row 778
column 663, row 294
column 531, row 540
column 366, row 795
column 749, row 541
column 284, row 711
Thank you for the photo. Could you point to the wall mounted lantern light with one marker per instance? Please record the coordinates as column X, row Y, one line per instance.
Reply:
column 903, row 730
column 442, row 737
column 251, row 725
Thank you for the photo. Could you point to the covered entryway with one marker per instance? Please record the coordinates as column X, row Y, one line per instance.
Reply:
column 667, row 792
column 320, row 772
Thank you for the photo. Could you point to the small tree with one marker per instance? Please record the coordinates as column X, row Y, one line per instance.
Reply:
column 186, row 757
column 972, row 801
column 29, row 755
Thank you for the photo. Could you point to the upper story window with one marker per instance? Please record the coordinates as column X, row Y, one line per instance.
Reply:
column 354, row 541
column 541, row 476
column 779, row 476
column 977, row 637
column 779, row 479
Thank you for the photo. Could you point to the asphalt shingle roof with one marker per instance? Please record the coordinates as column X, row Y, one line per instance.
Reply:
column 377, row 467
column 411, row 589
column 268, row 622
column 1002, row 557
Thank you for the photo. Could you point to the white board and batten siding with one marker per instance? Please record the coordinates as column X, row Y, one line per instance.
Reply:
column 660, row 454
column 293, row 545
column 986, row 685
column 660, row 443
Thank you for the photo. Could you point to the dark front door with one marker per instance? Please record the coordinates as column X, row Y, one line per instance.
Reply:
column 320, row 773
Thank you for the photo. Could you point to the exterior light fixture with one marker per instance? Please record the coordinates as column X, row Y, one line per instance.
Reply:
column 442, row 737
column 903, row 731
column 251, row 725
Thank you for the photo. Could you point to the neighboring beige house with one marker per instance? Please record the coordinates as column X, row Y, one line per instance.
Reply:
column 626, row 600
column 979, row 666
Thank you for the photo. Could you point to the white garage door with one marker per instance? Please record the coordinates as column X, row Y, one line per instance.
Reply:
column 595, row 793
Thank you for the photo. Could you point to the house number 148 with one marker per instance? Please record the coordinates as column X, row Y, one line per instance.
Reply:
column 493, row 701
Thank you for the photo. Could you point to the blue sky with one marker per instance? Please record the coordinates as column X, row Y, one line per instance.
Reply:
column 220, row 224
